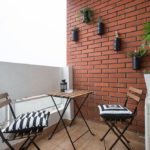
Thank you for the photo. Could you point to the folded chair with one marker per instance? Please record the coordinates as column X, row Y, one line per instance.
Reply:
column 26, row 126
column 112, row 114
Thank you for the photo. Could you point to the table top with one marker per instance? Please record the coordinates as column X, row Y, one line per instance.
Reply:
column 71, row 95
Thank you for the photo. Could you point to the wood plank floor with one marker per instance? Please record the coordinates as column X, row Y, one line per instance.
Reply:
column 60, row 140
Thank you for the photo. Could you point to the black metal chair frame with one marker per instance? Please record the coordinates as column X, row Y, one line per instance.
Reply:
column 112, row 122
column 30, row 136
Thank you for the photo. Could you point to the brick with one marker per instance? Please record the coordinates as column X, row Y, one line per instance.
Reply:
column 135, row 13
column 109, row 80
column 117, row 56
column 116, row 65
column 119, row 8
column 127, row 20
column 101, row 66
column 110, row 61
column 117, row 85
column 88, row 51
column 133, row 3
column 126, row 80
column 101, row 84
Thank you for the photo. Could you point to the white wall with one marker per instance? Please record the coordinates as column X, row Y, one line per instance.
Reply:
column 21, row 80
column 33, row 32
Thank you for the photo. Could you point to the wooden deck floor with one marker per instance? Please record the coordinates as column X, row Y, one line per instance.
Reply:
column 60, row 140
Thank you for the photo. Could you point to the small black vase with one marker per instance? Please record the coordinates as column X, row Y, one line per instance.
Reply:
column 117, row 44
column 136, row 63
column 75, row 35
column 100, row 28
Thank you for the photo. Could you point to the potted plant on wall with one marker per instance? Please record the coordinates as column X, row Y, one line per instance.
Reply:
column 100, row 30
column 75, row 34
column 136, row 57
column 147, row 81
column 86, row 14
column 117, row 42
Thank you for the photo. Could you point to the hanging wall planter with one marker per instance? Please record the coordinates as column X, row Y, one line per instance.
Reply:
column 117, row 42
column 100, row 30
column 137, row 58
column 136, row 63
column 75, row 34
column 86, row 14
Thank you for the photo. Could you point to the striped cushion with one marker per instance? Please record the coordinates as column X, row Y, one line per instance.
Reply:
column 28, row 121
column 114, row 111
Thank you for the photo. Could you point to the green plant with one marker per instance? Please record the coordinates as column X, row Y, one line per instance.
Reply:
column 75, row 29
column 86, row 15
column 100, row 20
column 147, row 31
column 140, row 53
column 147, row 72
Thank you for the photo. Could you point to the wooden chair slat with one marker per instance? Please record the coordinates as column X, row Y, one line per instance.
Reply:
column 135, row 97
column 135, row 90
column 4, row 102
column 3, row 95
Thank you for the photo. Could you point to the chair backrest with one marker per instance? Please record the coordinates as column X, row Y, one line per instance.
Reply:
column 4, row 100
column 134, row 94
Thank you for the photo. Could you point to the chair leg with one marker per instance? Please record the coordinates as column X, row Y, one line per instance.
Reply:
column 110, row 128
column 106, row 134
column 23, row 145
column 32, row 141
column 119, row 136
column 8, row 144
column 28, row 142
column 6, row 141
column 120, row 133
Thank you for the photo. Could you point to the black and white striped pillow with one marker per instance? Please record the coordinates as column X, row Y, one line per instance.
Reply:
column 28, row 121
column 114, row 111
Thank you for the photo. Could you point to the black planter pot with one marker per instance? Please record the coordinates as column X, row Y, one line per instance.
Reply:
column 136, row 63
column 100, row 28
column 117, row 44
column 75, row 35
column 86, row 18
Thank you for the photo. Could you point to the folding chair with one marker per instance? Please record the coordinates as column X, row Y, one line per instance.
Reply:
column 26, row 126
column 112, row 114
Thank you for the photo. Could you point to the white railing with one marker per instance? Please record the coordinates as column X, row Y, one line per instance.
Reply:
column 34, row 103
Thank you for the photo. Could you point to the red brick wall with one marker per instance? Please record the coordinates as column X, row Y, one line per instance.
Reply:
column 96, row 65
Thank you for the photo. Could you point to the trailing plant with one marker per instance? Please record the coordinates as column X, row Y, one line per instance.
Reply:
column 86, row 15
column 140, row 53
column 75, row 29
column 147, row 72
column 147, row 31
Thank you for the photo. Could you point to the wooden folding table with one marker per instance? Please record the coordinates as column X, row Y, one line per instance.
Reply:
column 71, row 97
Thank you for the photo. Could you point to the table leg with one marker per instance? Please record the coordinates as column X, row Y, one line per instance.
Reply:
column 84, row 119
column 65, row 107
column 79, row 111
column 61, row 119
